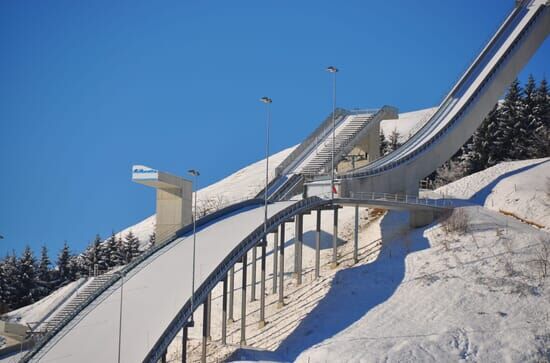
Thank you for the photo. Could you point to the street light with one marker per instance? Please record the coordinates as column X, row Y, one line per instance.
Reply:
column 120, row 312
column 333, row 70
column 195, row 174
column 267, row 101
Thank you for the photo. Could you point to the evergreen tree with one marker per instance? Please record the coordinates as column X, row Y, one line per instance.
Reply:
column 9, row 281
column 92, row 256
column 393, row 143
column 27, row 291
column 44, row 274
column 63, row 271
column 383, row 143
column 541, row 117
column 112, row 249
column 152, row 241
column 131, row 247
column 509, row 135
column 477, row 153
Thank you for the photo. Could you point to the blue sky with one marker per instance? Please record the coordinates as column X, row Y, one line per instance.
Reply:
column 89, row 88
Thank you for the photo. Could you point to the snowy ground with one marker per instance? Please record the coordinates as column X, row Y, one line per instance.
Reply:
column 422, row 295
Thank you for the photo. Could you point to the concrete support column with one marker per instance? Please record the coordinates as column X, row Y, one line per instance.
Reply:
column 275, row 259
column 243, row 303
column 296, row 246
column 419, row 218
column 253, row 276
column 231, row 292
column 261, row 324
column 318, row 245
column 205, row 324
column 300, row 246
column 356, row 236
column 184, row 345
column 281, row 302
column 224, row 311
column 209, row 320
column 335, row 238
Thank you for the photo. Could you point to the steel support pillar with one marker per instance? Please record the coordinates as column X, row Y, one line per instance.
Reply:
column 230, row 318
column 275, row 259
column 356, row 236
column 296, row 246
column 184, row 345
column 335, row 238
column 163, row 358
column 281, row 302
column 243, row 303
column 253, row 276
column 205, row 324
column 261, row 324
column 318, row 245
column 224, row 311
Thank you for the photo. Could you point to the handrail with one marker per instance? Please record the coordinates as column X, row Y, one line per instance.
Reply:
column 129, row 267
column 453, row 121
column 402, row 198
column 314, row 136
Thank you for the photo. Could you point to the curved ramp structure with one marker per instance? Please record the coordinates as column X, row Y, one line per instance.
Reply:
column 464, row 108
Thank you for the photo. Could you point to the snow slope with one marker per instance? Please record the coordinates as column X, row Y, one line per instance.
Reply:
column 520, row 187
column 408, row 123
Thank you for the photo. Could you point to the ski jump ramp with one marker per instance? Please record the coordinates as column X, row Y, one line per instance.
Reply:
column 154, row 292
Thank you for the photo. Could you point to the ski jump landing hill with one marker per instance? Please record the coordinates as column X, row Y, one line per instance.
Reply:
column 136, row 314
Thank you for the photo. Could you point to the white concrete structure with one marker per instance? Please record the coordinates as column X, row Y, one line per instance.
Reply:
column 174, row 205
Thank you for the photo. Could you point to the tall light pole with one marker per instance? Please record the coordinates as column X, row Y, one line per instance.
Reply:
column 120, row 314
column 195, row 174
column 333, row 70
column 268, row 102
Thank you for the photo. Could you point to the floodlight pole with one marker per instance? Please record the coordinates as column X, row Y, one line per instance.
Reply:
column 333, row 70
column 195, row 174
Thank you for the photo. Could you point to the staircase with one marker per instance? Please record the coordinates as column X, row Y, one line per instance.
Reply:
column 80, row 297
column 343, row 136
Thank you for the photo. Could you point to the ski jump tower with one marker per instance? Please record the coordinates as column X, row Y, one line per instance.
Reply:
column 173, row 199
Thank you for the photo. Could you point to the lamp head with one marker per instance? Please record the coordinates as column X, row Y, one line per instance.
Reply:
column 266, row 100
column 193, row 172
column 332, row 69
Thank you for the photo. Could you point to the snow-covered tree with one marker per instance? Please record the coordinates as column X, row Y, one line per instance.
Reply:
column 131, row 247
column 27, row 289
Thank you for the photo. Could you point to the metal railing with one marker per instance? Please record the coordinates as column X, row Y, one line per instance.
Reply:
column 402, row 199
column 312, row 139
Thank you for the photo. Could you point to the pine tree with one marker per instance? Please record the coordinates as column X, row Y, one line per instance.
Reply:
column 28, row 291
column 478, row 152
column 92, row 256
column 131, row 247
column 541, row 111
column 393, row 143
column 508, row 139
column 111, row 249
column 383, row 143
column 44, row 274
column 63, row 271
column 152, row 241
column 9, row 280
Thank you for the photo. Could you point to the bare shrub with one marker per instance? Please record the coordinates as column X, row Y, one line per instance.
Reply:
column 542, row 259
column 456, row 222
column 210, row 205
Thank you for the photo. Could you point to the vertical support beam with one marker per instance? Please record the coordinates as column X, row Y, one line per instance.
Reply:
column 356, row 236
column 231, row 292
column 275, row 259
column 204, row 330
column 163, row 358
column 243, row 303
column 296, row 246
column 184, row 345
column 335, row 238
column 281, row 302
column 261, row 324
column 209, row 320
column 318, row 245
column 224, row 311
column 253, row 276
column 300, row 245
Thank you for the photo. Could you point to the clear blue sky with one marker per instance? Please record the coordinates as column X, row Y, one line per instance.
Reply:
column 88, row 88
